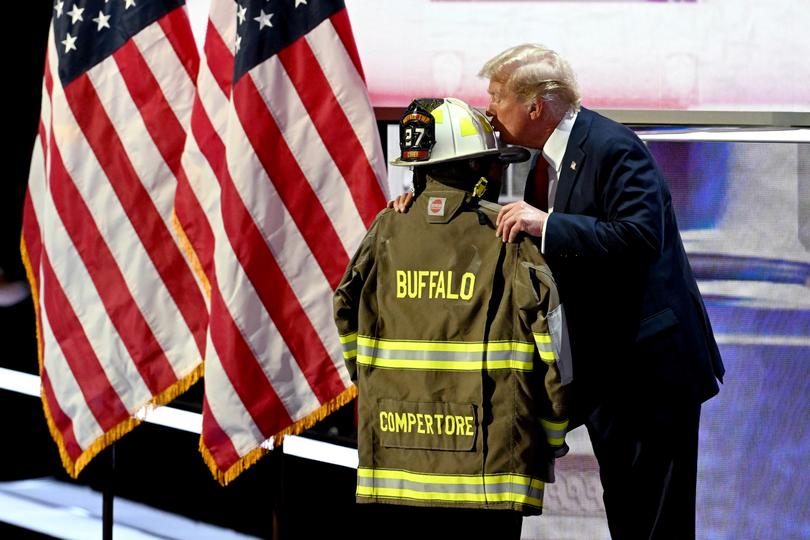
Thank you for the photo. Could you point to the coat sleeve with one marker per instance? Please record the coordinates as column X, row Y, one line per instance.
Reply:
column 541, row 311
column 627, row 217
column 346, row 300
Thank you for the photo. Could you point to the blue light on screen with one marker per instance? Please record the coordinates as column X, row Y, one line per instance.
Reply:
column 741, row 216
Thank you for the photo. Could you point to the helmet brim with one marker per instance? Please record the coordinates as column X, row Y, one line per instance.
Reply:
column 509, row 154
column 514, row 154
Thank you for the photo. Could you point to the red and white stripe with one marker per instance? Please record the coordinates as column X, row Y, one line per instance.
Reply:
column 198, row 192
column 122, row 320
column 293, row 153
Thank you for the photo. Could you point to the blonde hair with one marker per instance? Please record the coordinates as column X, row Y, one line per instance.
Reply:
column 533, row 71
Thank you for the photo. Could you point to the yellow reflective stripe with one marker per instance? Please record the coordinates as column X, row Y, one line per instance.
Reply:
column 545, row 347
column 454, row 365
column 349, row 344
column 555, row 431
column 446, row 346
column 466, row 127
column 445, row 355
column 400, row 493
column 393, row 483
column 548, row 357
column 515, row 497
column 472, row 479
column 397, row 493
column 556, row 426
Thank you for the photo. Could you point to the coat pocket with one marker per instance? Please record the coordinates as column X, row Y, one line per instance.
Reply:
column 657, row 323
column 427, row 425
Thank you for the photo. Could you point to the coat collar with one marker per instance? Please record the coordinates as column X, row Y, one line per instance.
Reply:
column 440, row 202
column 573, row 159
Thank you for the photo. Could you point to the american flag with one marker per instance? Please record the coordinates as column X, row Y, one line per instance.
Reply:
column 121, row 319
column 287, row 176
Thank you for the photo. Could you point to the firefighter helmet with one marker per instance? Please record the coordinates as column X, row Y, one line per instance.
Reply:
column 438, row 130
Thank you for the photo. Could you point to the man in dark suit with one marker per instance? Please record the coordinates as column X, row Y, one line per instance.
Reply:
column 643, row 350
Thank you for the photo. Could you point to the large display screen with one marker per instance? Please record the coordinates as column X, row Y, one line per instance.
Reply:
column 744, row 214
column 733, row 55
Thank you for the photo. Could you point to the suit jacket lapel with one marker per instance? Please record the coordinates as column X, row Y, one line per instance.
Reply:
column 573, row 160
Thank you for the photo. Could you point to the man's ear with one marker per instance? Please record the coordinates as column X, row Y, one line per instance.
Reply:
column 535, row 108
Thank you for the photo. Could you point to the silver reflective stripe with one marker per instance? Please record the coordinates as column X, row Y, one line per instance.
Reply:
column 555, row 431
column 545, row 347
column 555, row 434
column 558, row 327
column 528, row 491
column 448, row 356
column 419, row 486
column 349, row 344
column 349, row 350
column 482, row 489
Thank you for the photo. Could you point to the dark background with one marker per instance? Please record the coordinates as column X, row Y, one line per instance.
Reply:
column 755, row 436
column 158, row 466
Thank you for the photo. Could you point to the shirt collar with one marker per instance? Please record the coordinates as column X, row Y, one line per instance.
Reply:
column 554, row 149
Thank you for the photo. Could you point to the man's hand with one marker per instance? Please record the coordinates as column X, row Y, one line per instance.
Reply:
column 402, row 202
column 518, row 217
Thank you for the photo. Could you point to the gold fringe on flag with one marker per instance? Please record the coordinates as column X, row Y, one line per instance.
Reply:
column 73, row 468
column 191, row 254
column 225, row 477
column 322, row 412
column 32, row 284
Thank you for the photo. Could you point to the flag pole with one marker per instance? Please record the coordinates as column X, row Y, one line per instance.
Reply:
column 108, row 495
column 279, row 515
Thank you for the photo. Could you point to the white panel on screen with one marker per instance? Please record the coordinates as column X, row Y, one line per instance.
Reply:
column 741, row 55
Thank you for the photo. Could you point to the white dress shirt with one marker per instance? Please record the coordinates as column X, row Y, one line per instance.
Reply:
column 554, row 151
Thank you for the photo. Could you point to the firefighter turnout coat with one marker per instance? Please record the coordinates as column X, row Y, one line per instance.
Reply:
column 456, row 342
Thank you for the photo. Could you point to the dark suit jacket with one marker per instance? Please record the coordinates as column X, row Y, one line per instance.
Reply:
column 637, row 322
